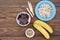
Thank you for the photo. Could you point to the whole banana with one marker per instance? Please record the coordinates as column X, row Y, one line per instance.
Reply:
column 42, row 30
column 41, row 26
column 44, row 25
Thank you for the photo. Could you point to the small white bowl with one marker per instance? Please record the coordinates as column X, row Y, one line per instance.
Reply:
column 29, row 19
column 28, row 35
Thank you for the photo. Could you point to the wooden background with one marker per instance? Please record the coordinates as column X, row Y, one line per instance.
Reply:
column 10, row 30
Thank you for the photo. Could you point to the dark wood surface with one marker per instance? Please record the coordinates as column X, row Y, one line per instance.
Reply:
column 10, row 30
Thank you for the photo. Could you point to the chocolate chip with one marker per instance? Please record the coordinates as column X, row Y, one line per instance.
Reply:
column 23, row 18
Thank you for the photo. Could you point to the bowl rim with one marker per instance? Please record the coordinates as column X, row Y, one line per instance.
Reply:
column 53, row 10
column 29, row 20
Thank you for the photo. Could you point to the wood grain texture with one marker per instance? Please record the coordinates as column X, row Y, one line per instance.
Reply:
column 10, row 30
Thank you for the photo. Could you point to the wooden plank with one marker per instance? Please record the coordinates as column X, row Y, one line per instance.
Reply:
column 15, row 3
column 24, row 38
column 13, row 31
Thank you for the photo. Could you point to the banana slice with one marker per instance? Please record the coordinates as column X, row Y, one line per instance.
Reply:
column 42, row 30
column 44, row 25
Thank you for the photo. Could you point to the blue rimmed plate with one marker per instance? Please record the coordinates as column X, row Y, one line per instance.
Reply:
column 52, row 14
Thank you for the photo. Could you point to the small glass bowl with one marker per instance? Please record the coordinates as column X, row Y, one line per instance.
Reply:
column 29, row 19
column 28, row 35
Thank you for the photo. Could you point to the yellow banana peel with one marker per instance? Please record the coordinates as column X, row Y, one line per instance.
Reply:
column 43, row 28
column 44, row 25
